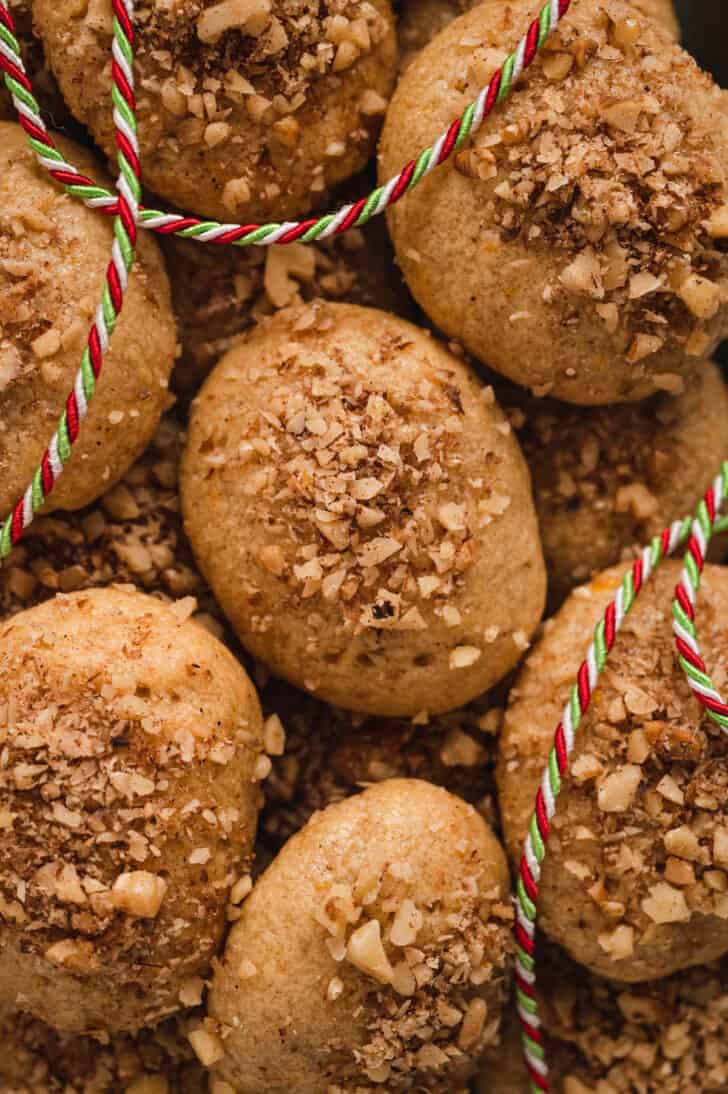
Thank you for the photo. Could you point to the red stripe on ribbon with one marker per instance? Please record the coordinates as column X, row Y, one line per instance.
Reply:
column 682, row 598
column 94, row 350
column 541, row 817
column 560, row 744
column 112, row 277
column 610, row 625
column 527, row 876
column 16, row 527
column 637, row 575
column 450, row 139
column 525, row 987
column 536, row 1077
column 46, row 473
column 524, row 941
column 712, row 704
column 532, row 1031
column 402, row 182
column 582, row 680
column 72, row 417
column 531, row 43
column 493, row 89
column 689, row 654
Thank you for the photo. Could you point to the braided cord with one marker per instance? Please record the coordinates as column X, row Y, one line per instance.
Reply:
column 350, row 216
column 702, row 530
column 697, row 530
column 107, row 313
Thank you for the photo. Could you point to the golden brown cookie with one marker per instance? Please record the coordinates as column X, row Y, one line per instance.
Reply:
column 53, row 257
column 606, row 478
column 378, row 942
column 129, row 804
column 362, row 512
column 577, row 244
column 249, row 109
column 634, row 883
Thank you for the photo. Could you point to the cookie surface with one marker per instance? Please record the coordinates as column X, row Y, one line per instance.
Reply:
column 250, row 109
column 53, row 257
column 537, row 246
column 633, row 882
column 376, row 951
column 129, row 804
column 362, row 512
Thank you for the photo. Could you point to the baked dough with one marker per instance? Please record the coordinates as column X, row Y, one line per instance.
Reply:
column 362, row 512
column 377, row 940
column 53, row 258
column 632, row 882
column 577, row 243
column 248, row 110
column 129, row 805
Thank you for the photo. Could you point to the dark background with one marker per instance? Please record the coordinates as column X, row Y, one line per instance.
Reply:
column 705, row 23
column 705, row 35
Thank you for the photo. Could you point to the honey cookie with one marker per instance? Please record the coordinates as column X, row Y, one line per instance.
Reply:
column 249, row 109
column 362, row 512
column 633, row 885
column 577, row 243
column 129, row 805
column 53, row 256
column 380, row 935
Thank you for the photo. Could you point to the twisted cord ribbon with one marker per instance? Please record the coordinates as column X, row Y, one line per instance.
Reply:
column 126, row 212
column 683, row 606
column 355, row 215
column 126, row 209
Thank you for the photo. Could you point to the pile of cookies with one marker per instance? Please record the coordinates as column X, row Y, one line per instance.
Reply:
column 282, row 658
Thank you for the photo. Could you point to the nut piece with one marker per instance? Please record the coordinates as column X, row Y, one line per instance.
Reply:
column 700, row 295
column 139, row 894
column 619, row 943
column 366, row 952
column 249, row 16
column 617, row 791
column 462, row 657
column 683, row 843
column 666, row 905
column 208, row 1047
column 407, row 924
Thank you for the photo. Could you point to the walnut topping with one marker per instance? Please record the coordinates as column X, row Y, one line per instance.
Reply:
column 365, row 950
column 248, row 16
column 619, row 943
column 611, row 170
column 462, row 657
column 616, row 792
column 666, row 904
column 208, row 1047
column 372, row 511
column 139, row 894
column 683, row 842
column 701, row 296
column 407, row 923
